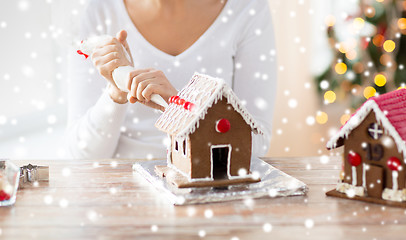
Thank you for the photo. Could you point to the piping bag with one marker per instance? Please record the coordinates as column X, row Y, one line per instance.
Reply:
column 120, row 74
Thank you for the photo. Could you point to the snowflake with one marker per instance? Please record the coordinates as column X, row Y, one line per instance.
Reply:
column 310, row 120
column 309, row 223
column 92, row 215
column 324, row 159
column 292, row 103
column 23, row 5
column 48, row 199
column 66, row 172
column 154, row 228
column 63, row 203
column 113, row 164
column 208, row 213
column 267, row 227
column 51, row 119
column 261, row 104
column 201, row 233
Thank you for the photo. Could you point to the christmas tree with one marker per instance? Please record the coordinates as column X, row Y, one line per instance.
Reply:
column 371, row 58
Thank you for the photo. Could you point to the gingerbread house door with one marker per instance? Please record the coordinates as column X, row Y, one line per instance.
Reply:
column 374, row 181
column 220, row 158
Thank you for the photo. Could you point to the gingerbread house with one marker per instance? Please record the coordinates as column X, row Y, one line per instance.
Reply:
column 374, row 151
column 210, row 132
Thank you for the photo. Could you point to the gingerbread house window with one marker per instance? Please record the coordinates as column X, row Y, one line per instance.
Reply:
column 375, row 131
column 176, row 146
column 184, row 147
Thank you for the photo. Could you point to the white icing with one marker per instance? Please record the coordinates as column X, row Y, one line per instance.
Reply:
column 395, row 175
column 350, row 190
column 364, row 181
column 203, row 91
column 354, row 175
column 394, row 195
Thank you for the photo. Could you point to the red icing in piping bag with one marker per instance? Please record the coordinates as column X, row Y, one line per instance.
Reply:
column 81, row 53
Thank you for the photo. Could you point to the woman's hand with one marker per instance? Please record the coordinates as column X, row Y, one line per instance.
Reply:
column 110, row 56
column 145, row 82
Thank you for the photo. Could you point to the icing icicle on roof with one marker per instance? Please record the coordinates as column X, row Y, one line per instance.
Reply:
column 202, row 92
column 390, row 112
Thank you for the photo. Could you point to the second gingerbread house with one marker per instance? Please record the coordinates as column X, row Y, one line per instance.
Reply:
column 374, row 150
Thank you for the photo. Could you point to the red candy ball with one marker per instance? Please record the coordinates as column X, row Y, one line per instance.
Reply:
column 186, row 105
column 394, row 164
column 354, row 158
column 176, row 99
column 181, row 101
column 223, row 125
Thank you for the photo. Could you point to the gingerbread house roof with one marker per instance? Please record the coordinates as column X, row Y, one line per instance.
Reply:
column 390, row 112
column 202, row 92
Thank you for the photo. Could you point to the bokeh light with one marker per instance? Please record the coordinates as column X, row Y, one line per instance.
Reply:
column 341, row 68
column 370, row 12
column 351, row 55
column 330, row 20
column 358, row 23
column 380, row 80
column 389, row 45
column 369, row 92
column 402, row 23
column 321, row 117
column 378, row 40
column 329, row 96
column 344, row 118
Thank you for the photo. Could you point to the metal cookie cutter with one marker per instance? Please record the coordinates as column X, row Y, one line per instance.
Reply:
column 30, row 174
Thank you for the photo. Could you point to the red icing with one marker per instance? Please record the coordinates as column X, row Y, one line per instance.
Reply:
column 181, row 102
column 175, row 99
column 4, row 196
column 354, row 158
column 81, row 53
column 223, row 125
column 394, row 164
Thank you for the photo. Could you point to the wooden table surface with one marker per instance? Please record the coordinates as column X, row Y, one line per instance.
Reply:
column 103, row 199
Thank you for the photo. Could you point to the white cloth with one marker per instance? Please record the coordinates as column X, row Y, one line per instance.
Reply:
column 238, row 47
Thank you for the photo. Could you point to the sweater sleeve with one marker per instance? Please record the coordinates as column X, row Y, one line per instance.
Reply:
column 94, row 120
column 255, row 71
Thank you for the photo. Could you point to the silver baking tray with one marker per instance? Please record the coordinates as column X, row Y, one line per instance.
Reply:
column 274, row 183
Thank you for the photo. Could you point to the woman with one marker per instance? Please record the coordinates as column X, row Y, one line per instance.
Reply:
column 168, row 40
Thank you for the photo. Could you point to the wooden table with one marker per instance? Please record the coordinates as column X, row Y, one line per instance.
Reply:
column 104, row 200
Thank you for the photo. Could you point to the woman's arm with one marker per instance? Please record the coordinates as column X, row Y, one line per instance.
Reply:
column 255, row 71
column 94, row 119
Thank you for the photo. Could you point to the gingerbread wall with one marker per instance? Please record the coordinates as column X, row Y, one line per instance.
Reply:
column 374, row 152
column 179, row 159
column 239, row 136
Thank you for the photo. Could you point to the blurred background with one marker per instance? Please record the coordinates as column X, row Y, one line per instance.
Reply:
column 332, row 56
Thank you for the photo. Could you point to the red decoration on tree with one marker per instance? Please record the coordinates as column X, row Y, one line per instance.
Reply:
column 181, row 101
column 354, row 158
column 223, row 125
column 394, row 164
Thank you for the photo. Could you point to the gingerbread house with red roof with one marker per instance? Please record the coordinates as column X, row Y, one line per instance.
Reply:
column 210, row 132
column 374, row 151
